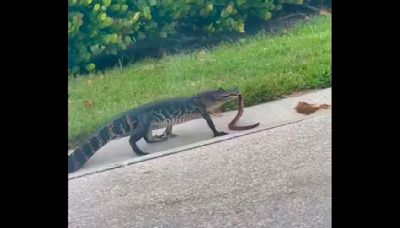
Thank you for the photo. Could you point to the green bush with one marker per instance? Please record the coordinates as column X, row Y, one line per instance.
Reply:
column 108, row 27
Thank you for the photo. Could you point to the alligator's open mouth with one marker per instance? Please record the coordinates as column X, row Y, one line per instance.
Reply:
column 231, row 95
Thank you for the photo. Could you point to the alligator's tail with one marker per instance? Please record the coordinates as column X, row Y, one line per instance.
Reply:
column 85, row 151
column 117, row 128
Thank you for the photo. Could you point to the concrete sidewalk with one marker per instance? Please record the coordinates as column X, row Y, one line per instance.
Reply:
column 272, row 178
column 196, row 133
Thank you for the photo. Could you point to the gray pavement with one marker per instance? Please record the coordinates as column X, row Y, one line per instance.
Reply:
column 275, row 178
column 280, row 177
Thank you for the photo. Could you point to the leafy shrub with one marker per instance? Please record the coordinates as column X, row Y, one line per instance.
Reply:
column 108, row 27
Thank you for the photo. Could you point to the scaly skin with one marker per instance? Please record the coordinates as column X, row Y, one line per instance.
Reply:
column 139, row 123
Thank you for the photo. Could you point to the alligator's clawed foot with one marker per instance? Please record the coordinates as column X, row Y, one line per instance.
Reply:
column 166, row 135
column 162, row 137
column 142, row 153
column 220, row 134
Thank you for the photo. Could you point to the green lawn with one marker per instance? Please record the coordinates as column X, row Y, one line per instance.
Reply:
column 262, row 67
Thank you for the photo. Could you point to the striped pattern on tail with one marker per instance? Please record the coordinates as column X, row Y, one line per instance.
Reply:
column 85, row 151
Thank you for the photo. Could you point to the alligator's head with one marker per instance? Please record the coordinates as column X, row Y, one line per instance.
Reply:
column 214, row 99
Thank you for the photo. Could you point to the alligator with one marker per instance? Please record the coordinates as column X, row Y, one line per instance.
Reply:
column 141, row 121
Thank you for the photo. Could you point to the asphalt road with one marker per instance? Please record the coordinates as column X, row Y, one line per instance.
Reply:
column 274, row 178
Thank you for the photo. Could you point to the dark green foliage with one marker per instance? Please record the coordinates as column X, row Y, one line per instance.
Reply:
column 108, row 27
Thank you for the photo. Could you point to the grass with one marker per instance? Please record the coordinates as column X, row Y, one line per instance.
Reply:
column 262, row 67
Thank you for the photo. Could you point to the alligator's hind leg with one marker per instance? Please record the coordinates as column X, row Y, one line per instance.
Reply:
column 138, row 133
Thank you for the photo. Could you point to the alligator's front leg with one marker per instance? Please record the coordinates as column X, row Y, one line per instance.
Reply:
column 210, row 123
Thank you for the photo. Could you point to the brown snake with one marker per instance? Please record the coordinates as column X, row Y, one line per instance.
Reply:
column 238, row 115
